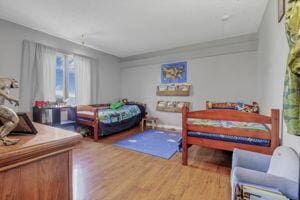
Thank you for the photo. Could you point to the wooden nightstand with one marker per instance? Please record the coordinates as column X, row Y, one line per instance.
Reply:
column 152, row 120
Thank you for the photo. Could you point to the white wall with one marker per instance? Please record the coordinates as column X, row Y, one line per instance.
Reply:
column 12, row 35
column 110, row 79
column 272, row 58
column 253, row 74
column 231, row 77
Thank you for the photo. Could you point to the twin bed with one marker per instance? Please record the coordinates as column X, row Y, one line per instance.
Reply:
column 228, row 129
column 105, row 121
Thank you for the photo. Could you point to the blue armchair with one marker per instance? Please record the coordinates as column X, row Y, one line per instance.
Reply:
column 280, row 171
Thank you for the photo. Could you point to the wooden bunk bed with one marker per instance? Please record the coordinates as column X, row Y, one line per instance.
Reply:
column 203, row 133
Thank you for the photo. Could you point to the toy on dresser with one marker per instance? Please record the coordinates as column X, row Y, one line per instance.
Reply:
column 8, row 118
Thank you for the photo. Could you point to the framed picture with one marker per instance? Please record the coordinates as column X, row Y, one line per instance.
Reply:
column 281, row 9
column 25, row 125
column 174, row 73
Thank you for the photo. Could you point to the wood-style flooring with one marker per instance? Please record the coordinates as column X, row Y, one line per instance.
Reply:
column 103, row 171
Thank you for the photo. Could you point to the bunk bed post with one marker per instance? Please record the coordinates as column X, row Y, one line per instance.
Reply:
column 184, row 136
column 274, row 129
column 95, row 125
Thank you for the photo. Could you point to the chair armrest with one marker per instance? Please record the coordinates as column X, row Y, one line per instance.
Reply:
column 250, row 160
column 286, row 186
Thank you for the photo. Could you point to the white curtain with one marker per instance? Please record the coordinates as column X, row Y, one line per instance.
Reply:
column 83, row 74
column 28, row 76
column 46, row 66
column 95, row 82
column 37, row 80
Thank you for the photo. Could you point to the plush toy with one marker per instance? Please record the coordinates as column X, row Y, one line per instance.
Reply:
column 240, row 106
column 222, row 105
column 124, row 101
column 254, row 108
column 8, row 118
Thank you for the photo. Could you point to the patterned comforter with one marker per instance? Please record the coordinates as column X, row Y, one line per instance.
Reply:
column 108, row 116
column 228, row 124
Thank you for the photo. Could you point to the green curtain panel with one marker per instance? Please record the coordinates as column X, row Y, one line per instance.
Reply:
column 291, row 97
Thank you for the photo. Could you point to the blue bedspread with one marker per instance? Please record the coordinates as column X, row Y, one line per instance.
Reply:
column 108, row 116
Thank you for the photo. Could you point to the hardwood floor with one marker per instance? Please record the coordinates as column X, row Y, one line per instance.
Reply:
column 102, row 171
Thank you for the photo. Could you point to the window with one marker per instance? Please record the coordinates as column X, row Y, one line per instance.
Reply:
column 65, row 79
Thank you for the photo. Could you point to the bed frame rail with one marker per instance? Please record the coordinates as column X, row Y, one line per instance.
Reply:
column 90, row 120
column 229, row 115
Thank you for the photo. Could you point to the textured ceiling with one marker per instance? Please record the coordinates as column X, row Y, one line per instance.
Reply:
column 131, row 27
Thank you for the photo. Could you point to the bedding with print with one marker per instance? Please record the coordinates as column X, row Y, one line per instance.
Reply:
column 116, row 120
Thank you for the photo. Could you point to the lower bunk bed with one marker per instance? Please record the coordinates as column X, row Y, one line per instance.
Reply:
column 105, row 121
column 229, row 129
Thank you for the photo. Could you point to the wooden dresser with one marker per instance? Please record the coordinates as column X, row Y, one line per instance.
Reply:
column 39, row 166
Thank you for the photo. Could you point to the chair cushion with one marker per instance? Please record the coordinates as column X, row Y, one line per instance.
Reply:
column 285, row 163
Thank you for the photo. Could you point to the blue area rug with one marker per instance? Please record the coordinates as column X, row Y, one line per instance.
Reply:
column 162, row 144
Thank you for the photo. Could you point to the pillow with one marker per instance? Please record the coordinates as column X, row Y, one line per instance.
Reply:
column 116, row 105
column 285, row 163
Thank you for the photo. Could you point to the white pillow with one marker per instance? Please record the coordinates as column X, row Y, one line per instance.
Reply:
column 285, row 163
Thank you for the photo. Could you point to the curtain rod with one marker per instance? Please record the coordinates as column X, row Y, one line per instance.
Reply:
column 64, row 51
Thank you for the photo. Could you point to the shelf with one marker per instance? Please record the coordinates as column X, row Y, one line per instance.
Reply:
column 171, row 106
column 173, row 90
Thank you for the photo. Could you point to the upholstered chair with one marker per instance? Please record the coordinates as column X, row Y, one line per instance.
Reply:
column 279, row 171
